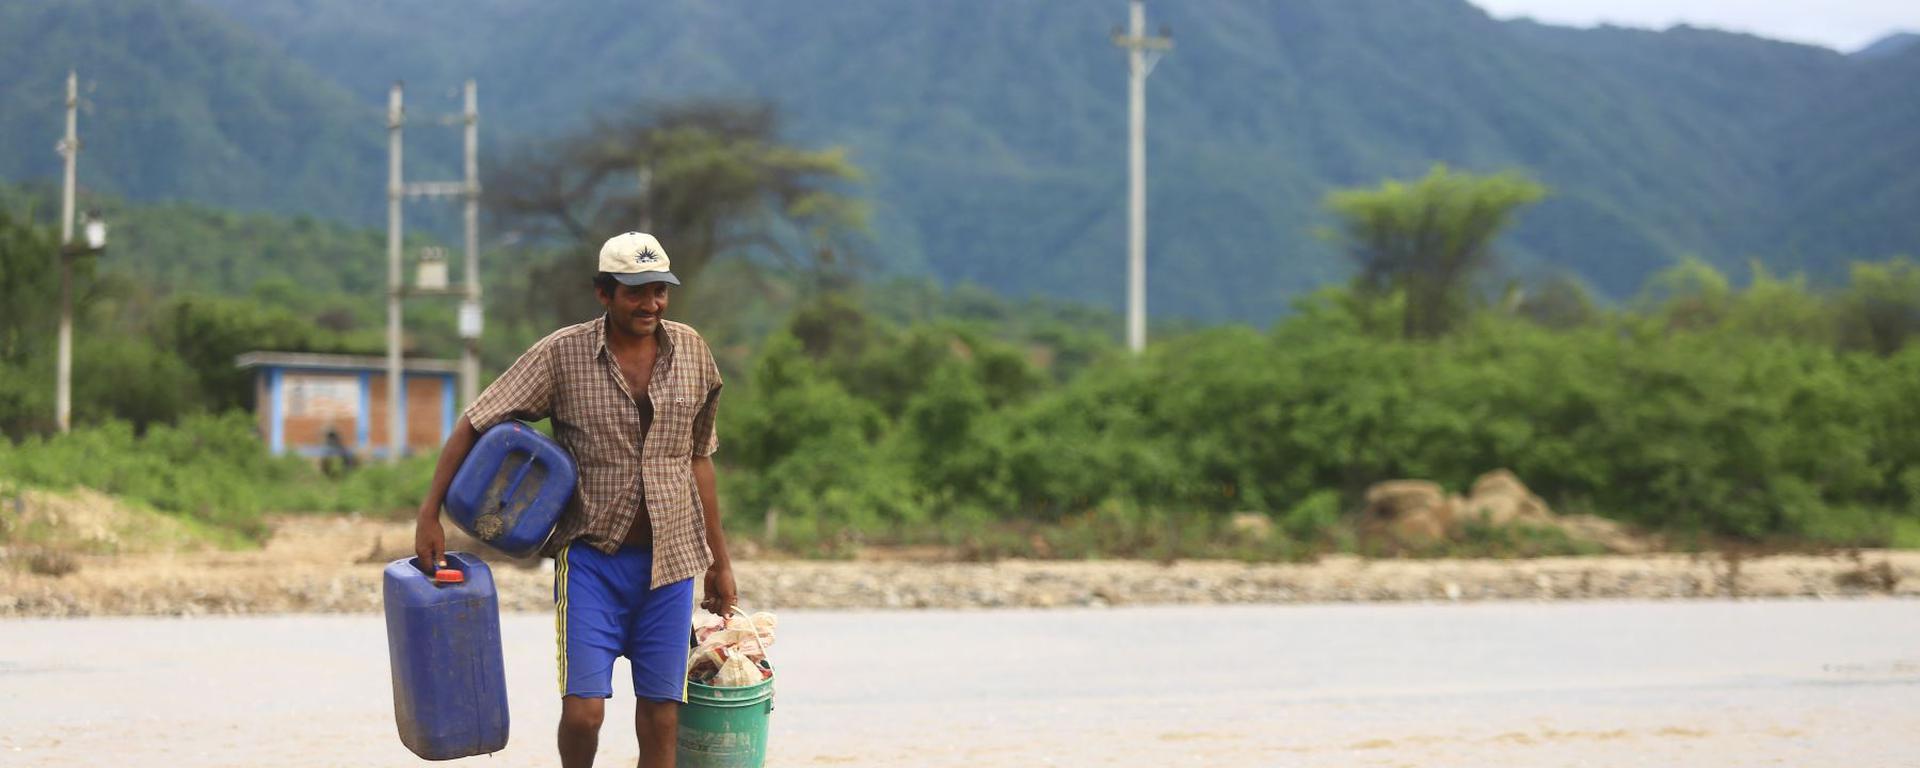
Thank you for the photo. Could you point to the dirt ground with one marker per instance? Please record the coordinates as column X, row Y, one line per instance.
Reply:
column 93, row 557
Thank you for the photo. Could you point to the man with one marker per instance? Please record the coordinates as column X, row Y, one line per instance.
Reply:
column 633, row 397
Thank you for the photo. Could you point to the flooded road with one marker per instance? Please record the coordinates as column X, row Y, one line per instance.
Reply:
column 1547, row 684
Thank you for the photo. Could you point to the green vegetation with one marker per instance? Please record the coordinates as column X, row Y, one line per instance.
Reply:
column 946, row 433
column 1425, row 240
column 1767, row 412
column 210, row 470
column 1703, row 415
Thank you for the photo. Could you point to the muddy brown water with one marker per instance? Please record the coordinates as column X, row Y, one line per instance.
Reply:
column 1800, row 683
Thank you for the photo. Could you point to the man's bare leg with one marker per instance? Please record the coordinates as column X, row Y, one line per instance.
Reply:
column 580, row 730
column 657, row 724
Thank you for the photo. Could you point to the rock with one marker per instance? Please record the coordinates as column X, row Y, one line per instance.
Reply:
column 1599, row 530
column 1394, row 498
column 1427, row 525
column 1412, row 512
column 1500, row 499
column 1500, row 482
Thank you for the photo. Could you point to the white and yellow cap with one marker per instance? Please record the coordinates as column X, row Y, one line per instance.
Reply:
column 637, row 258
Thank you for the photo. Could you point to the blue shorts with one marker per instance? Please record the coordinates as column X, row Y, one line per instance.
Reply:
column 603, row 609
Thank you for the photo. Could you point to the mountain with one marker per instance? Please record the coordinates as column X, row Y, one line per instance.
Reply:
column 1896, row 43
column 994, row 133
column 1846, row 160
column 180, row 102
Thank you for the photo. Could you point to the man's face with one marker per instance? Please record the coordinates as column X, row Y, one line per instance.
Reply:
column 636, row 309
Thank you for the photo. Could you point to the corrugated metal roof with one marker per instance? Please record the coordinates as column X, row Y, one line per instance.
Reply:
column 343, row 362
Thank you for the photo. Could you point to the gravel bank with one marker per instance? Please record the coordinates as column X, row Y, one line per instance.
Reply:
column 333, row 566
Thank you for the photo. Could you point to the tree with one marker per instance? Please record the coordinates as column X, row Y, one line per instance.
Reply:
column 1881, row 306
column 1560, row 301
column 29, row 286
column 208, row 332
column 29, row 290
column 1428, row 239
column 709, row 179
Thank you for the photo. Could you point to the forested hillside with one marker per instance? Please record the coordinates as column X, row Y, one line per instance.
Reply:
column 181, row 103
column 993, row 133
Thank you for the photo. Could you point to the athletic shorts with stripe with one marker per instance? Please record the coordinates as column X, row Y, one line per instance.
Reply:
column 603, row 609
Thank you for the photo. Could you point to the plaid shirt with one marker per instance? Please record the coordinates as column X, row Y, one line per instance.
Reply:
column 572, row 377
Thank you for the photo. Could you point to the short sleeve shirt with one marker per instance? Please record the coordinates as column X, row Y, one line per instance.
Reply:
column 572, row 377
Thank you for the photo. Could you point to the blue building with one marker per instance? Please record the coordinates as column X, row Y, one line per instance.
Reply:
column 299, row 398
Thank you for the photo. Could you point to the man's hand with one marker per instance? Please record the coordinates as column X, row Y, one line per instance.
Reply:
column 429, row 540
column 430, row 543
column 721, row 597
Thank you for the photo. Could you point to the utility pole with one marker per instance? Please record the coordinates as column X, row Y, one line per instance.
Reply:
column 468, row 189
column 396, row 426
column 470, row 309
column 69, row 149
column 1143, row 52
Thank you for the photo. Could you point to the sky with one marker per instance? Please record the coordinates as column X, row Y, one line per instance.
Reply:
column 1845, row 25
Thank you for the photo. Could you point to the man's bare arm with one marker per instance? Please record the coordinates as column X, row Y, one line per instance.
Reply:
column 429, row 537
column 720, row 592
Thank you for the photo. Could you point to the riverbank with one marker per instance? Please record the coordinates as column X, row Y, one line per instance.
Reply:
column 332, row 565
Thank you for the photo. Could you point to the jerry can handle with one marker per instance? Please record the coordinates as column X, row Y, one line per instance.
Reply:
column 444, row 575
column 519, row 475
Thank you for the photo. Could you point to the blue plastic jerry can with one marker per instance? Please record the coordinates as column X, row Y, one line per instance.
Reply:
column 443, row 638
column 512, row 488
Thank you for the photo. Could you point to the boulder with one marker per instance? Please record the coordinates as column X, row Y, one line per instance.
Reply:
column 1412, row 512
column 1499, row 481
column 1418, row 513
column 1395, row 498
column 1424, row 526
column 1500, row 499
column 1606, row 533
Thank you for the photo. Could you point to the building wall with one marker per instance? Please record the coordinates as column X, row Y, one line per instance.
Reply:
column 296, row 408
column 429, row 398
column 313, row 402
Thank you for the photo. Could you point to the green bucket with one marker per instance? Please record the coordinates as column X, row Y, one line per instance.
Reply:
column 725, row 727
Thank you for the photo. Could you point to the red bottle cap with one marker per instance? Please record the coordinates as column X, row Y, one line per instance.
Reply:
column 449, row 576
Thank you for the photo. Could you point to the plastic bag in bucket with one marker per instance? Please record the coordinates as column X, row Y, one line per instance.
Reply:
column 726, row 726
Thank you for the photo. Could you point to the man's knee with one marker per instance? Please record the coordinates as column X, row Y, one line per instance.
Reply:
column 658, row 714
column 581, row 715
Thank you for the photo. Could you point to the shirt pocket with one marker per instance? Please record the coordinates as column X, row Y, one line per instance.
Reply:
column 673, row 424
column 568, row 407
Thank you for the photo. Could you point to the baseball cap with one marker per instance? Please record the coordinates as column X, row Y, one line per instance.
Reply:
column 636, row 258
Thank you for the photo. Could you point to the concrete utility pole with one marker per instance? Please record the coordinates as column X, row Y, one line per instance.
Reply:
column 1143, row 52
column 470, row 309
column 470, row 315
column 69, row 148
column 396, row 426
